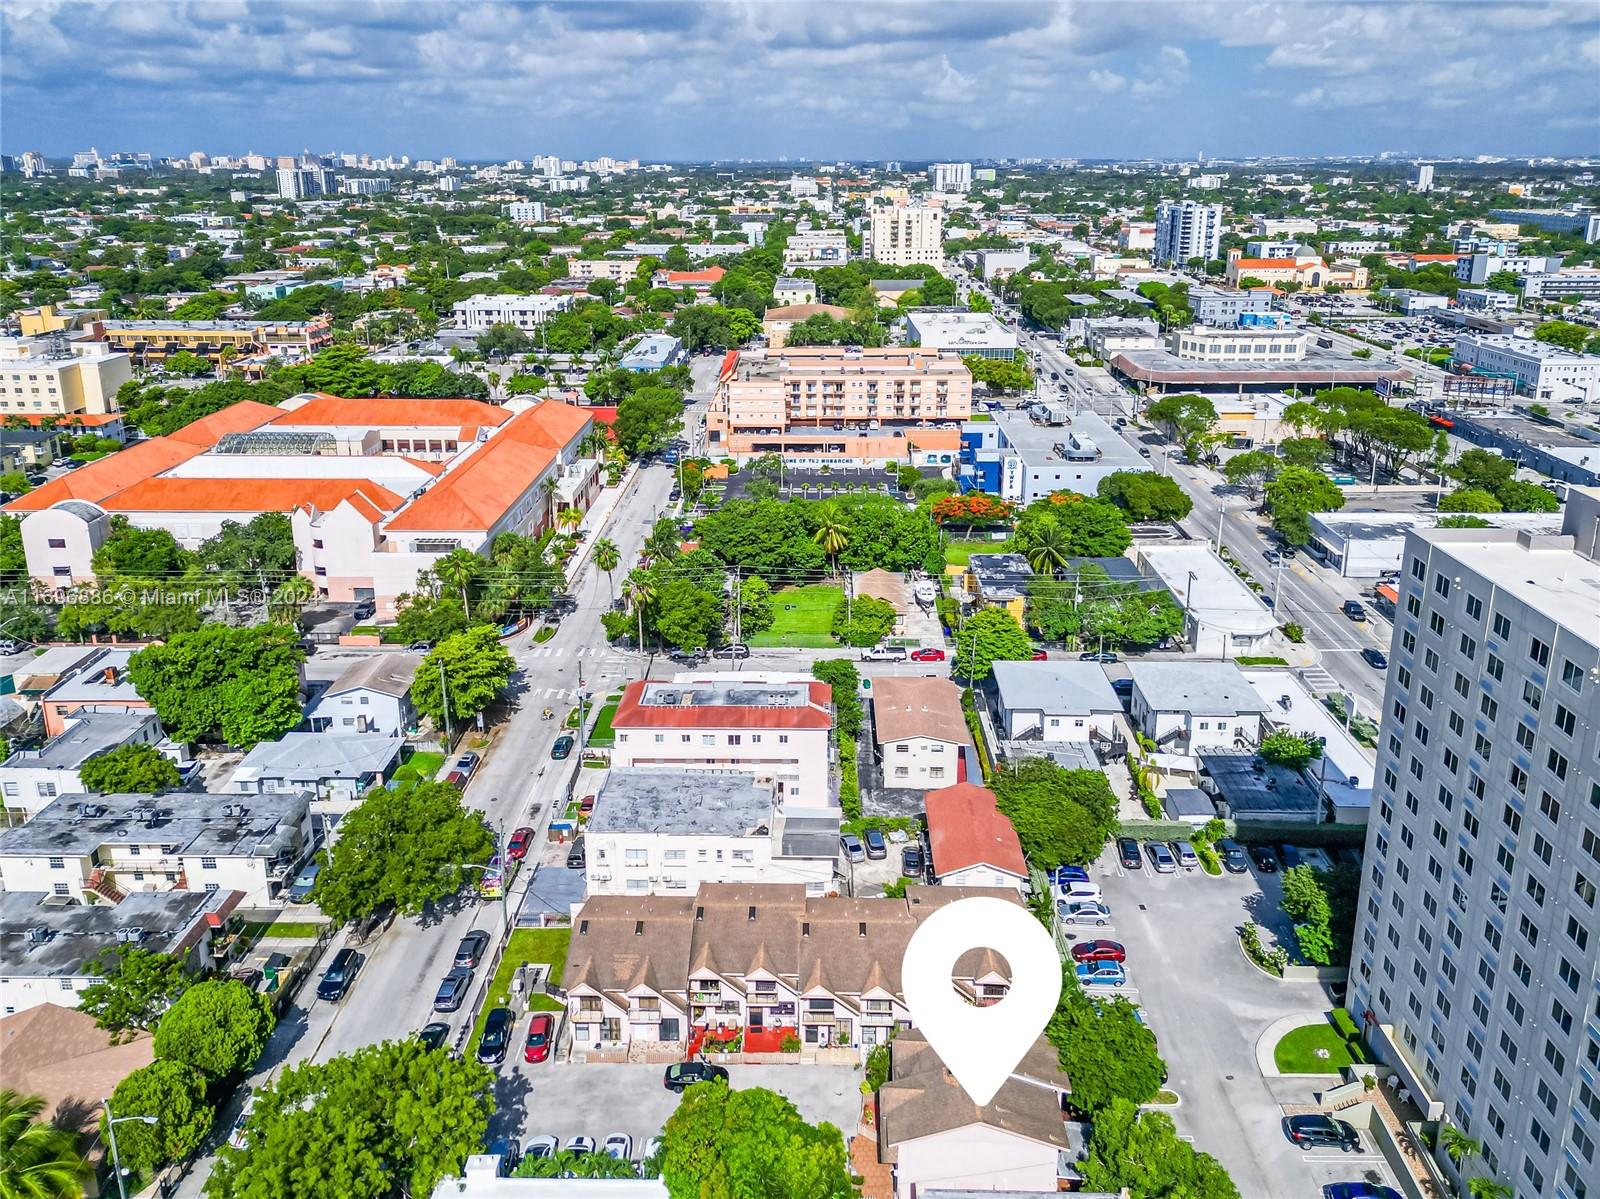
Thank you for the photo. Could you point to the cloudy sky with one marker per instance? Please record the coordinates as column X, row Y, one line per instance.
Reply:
column 663, row 79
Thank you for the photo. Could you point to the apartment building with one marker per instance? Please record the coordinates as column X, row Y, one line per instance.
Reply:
column 525, row 312
column 971, row 843
column 109, row 846
column 816, row 248
column 295, row 183
column 664, row 831
column 905, row 235
column 950, row 176
column 765, row 959
column 920, row 732
column 1543, row 371
column 32, row 779
column 46, row 376
column 1577, row 281
column 1477, row 944
column 774, row 728
column 1475, row 266
column 1187, row 229
column 216, row 341
column 1185, row 705
column 98, row 682
column 619, row 269
column 779, row 319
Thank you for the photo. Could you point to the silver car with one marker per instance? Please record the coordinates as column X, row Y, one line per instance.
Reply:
column 1161, row 859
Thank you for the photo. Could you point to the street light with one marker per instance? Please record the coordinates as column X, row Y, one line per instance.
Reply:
column 111, row 1133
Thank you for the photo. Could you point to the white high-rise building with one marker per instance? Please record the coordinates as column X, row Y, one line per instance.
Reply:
column 905, row 236
column 300, row 183
column 1475, row 970
column 526, row 210
column 951, row 176
column 1422, row 177
column 1186, row 229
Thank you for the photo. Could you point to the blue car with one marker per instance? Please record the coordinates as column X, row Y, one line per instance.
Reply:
column 1069, row 874
column 1361, row 1190
column 1102, row 974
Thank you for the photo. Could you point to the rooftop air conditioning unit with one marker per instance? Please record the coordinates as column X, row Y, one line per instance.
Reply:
column 38, row 935
column 131, row 933
column 147, row 815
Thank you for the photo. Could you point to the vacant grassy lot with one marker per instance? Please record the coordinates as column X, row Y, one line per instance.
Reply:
column 526, row 945
column 957, row 553
column 802, row 617
column 420, row 766
column 1298, row 1052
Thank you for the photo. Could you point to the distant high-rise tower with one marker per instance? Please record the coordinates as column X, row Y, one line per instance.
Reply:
column 1186, row 229
column 951, row 176
column 1422, row 177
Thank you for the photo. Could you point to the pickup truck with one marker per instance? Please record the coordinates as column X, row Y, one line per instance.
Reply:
column 884, row 653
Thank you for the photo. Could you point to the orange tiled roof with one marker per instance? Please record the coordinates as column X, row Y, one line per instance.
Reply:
column 709, row 275
column 69, row 420
column 966, row 828
column 394, row 413
column 246, row 495
column 476, row 494
column 1267, row 264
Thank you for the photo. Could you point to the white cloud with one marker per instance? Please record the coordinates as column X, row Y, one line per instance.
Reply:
column 1107, row 83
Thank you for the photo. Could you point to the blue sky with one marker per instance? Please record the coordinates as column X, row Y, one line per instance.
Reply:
column 834, row 79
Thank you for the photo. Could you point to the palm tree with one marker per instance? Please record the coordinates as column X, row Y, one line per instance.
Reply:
column 569, row 518
column 1487, row 1188
column 1050, row 550
column 596, row 441
column 833, row 533
column 457, row 569
column 549, row 487
column 37, row 1159
column 662, row 544
column 603, row 1165
column 639, row 591
column 607, row 558
column 1457, row 1146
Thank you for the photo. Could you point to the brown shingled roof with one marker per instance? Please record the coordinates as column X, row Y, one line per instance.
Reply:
column 904, row 707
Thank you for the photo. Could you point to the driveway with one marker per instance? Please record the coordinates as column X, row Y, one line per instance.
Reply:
column 1208, row 1006
column 566, row 1100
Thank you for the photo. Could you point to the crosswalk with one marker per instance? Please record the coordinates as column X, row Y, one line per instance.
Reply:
column 1318, row 679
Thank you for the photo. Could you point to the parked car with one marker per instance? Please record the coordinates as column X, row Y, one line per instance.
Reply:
column 541, row 1032
column 239, row 1137
column 586, row 806
column 1128, row 850
column 884, row 653
column 877, row 848
column 1039, row 655
column 341, row 972
column 1082, row 911
column 543, row 1145
column 300, row 889
column 1375, row 658
column 1067, row 874
column 1124, row 691
column 1290, row 856
column 735, row 650
column 927, row 654
column 1092, row 656
column 1099, row 951
column 1266, row 861
column 8, row 646
column 420, row 647
column 912, row 863
column 433, row 1035
column 1077, row 888
column 575, row 858
column 850, row 845
column 1232, row 854
column 1360, row 1190
column 452, row 989
column 681, row 1075
column 496, row 1037
column 580, row 1145
column 470, row 952
column 467, row 763
column 517, row 846
column 562, row 747
column 456, row 779
column 1184, row 852
column 618, row 1145
column 1161, row 858
column 1311, row 1131
column 1354, row 610
column 1102, row 974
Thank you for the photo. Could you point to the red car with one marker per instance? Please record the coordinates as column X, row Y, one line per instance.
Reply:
column 927, row 655
column 1040, row 656
column 586, row 805
column 517, row 847
column 541, row 1031
column 1099, row 951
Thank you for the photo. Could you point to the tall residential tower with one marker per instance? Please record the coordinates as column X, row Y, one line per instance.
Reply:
column 1186, row 229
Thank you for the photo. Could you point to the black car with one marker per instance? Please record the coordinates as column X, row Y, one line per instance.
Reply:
column 452, row 989
column 682, row 1075
column 1266, row 861
column 562, row 747
column 496, row 1036
column 1375, row 658
column 433, row 1035
column 877, row 850
column 470, row 951
column 1310, row 1131
column 1290, row 856
column 1354, row 610
column 340, row 974
column 1232, row 854
column 1128, row 850
column 1124, row 691
column 911, row 861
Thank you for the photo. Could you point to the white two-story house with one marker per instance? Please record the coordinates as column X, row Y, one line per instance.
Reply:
column 920, row 731
column 1185, row 706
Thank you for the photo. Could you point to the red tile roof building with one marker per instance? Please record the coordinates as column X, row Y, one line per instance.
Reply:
column 971, row 841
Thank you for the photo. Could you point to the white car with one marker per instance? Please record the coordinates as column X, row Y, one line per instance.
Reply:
column 1077, row 888
column 620, row 1146
column 652, row 1148
column 237, row 1137
column 581, row 1145
column 541, row 1146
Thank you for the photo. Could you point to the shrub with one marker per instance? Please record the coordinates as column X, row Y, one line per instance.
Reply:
column 1294, row 632
column 1274, row 961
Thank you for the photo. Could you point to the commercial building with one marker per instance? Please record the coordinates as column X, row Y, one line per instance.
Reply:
column 1135, row 236
column 997, row 264
column 962, row 333
column 1482, row 299
column 764, row 959
column 1308, row 270
column 1553, row 452
column 1476, row 267
column 1220, row 307
column 1583, row 221
column 50, row 376
column 774, row 728
column 950, row 176
column 1246, row 345
column 1476, row 961
column 653, row 352
column 1580, row 282
column 1017, row 459
column 524, row 312
column 1412, row 302
column 1222, row 616
column 919, row 731
column 664, row 831
column 841, row 404
column 1368, row 545
column 1187, row 229
column 905, row 236
column 816, row 249
column 111, row 846
column 231, row 342
column 375, row 489
column 777, row 321
column 1543, row 371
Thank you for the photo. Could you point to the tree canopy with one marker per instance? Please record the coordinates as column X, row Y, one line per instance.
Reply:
column 176, row 1095
column 138, row 985
column 1145, row 495
column 1067, row 525
column 1089, row 607
column 472, row 667
column 137, row 767
column 1142, row 1153
column 647, row 419
column 988, row 636
column 404, row 847
column 726, row 1144
column 236, row 685
column 1186, row 417
column 1294, row 495
column 1061, row 816
column 219, row 1027
column 1104, row 1048
column 38, row 1160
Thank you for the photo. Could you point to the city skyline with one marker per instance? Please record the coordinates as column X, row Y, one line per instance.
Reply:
column 708, row 81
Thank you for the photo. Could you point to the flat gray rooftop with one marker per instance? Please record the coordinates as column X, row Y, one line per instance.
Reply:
column 1070, row 687
column 1201, row 688
column 80, row 931
column 686, row 802
column 90, row 734
column 1251, row 785
column 195, row 823
column 815, row 836
column 708, row 693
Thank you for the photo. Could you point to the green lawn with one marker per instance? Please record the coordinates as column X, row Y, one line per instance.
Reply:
column 601, row 736
column 306, row 929
column 526, row 945
column 957, row 553
column 1267, row 660
column 422, row 766
column 1297, row 1053
column 802, row 617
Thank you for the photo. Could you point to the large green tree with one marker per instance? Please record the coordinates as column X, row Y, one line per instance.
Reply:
column 462, row 675
column 1104, row 1048
column 258, row 553
column 988, row 636
column 1294, row 495
column 137, row 986
column 864, row 620
column 404, row 847
column 1251, row 470
column 1068, row 525
column 1185, row 417
column 1566, row 334
column 134, row 553
column 1470, row 499
column 37, row 1159
column 844, row 680
column 236, row 685
column 137, row 767
column 1141, row 1154
column 1089, row 606
column 726, row 1144
column 647, row 420
column 175, row 1094
column 1145, row 495
column 387, row 1120
column 219, row 1027
column 688, row 614
column 1061, row 816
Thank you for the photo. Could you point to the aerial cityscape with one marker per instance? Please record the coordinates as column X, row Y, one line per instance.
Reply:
column 709, row 600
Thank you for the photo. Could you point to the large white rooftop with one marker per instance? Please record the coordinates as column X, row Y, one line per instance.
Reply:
column 1207, row 586
column 1544, row 573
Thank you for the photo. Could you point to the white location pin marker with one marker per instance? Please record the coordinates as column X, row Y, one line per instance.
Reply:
column 980, row 1046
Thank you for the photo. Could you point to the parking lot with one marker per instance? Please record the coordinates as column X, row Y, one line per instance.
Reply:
column 1208, row 1006
column 565, row 1100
